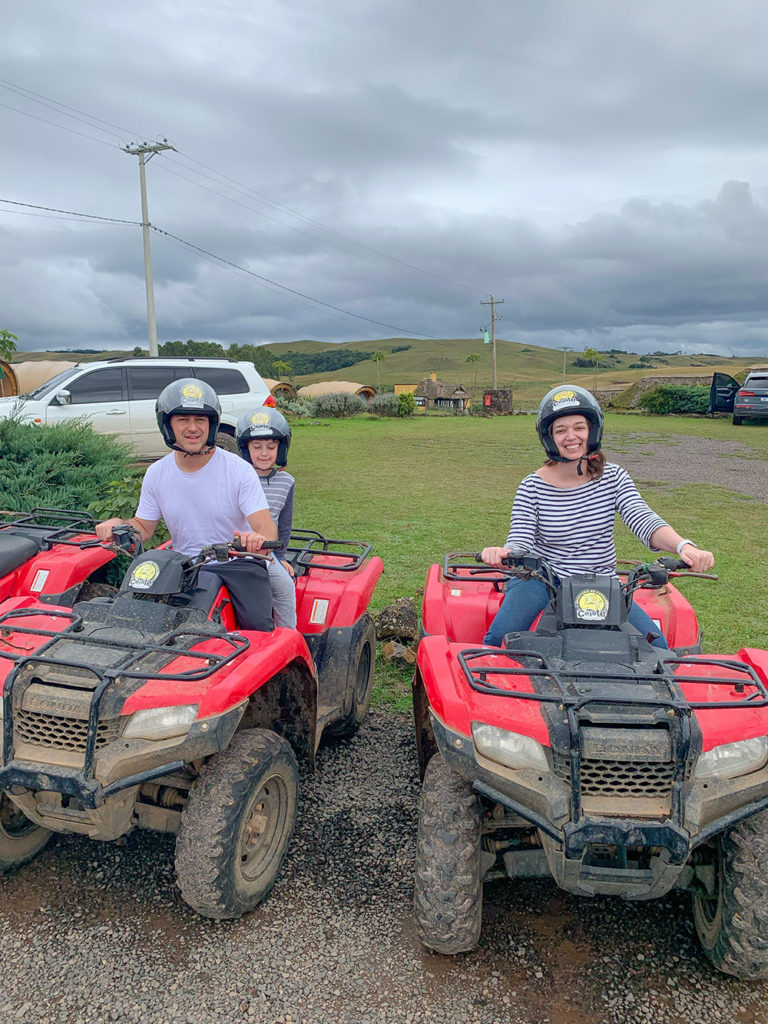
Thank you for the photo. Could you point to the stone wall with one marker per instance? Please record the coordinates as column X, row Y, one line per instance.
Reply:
column 608, row 395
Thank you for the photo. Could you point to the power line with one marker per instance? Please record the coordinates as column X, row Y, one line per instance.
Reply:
column 285, row 288
column 73, row 213
column 220, row 260
column 63, row 127
column 64, row 109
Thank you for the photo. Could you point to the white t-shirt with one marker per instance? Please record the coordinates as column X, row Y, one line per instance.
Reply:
column 204, row 507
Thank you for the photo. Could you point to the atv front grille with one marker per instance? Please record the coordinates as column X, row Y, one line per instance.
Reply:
column 44, row 730
column 619, row 778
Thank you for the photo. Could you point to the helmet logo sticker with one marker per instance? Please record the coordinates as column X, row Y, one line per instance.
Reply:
column 192, row 396
column 260, row 419
column 564, row 399
column 143, row 575
column 591, row 605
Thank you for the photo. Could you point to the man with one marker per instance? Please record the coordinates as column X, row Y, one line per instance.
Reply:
column 206, row 496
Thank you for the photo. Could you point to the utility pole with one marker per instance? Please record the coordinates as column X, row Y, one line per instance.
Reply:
column 494, row 317
column 566, row 348
column 145, row 152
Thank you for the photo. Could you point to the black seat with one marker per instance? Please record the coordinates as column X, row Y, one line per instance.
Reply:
column 15, row 551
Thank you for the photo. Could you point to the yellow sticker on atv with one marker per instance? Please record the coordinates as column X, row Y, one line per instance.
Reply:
column 591, row 605
column 143, row 575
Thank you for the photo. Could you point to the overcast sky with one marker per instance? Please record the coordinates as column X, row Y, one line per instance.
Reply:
column 598, row 165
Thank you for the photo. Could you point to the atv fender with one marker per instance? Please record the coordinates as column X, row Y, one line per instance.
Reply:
column 327, row 599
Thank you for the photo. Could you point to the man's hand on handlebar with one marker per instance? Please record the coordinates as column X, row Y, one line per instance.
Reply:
column 252, row 543
column 104, row 530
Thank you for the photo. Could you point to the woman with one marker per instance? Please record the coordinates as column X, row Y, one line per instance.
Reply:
column 564, row 513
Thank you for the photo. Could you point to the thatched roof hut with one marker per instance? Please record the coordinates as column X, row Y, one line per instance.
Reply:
column 21, row 378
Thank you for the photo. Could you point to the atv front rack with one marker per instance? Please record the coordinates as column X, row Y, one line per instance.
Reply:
column 308, row 549
column 50, row 526
column 127, row 665
column 552, row 686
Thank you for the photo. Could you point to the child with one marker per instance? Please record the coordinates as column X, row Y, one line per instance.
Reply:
column 263, row 437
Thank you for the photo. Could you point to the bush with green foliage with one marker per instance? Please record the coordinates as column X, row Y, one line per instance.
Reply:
column 385, row 404
column 675, row 398
column 406, row 404
column 62, row 466
column 337, row 405
column 121, row 499
column 295, row 406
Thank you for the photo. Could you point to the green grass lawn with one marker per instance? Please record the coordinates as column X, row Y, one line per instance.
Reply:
column 420, row 487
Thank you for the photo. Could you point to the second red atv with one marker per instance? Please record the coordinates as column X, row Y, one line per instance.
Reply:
column 579, row 752
column 54, row 555
column 151, row 710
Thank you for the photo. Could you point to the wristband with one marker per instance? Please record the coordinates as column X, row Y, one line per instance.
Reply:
column 682, row 544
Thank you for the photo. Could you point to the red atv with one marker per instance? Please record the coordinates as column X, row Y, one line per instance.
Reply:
column 150, row 710
column 54, row 555
column 578, row 751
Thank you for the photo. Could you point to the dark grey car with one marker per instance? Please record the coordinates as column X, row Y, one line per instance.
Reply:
column 746, row 401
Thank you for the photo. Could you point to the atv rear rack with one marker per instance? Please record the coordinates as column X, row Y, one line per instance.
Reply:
column 167, row 648
column 309, row 549
column 50, row 526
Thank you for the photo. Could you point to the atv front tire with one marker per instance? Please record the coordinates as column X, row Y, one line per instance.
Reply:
column 362, row 661
column 732, row 922
column 236, row 825
column 89, row 591
column 448, row 892
column 20, row 838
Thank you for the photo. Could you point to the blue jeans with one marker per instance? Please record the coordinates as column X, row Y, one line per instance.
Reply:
column 523, row 601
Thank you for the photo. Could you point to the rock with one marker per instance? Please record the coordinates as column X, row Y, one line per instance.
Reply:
column 398, row 621
column 394, row 651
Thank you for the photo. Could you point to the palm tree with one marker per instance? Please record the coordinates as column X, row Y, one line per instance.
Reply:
column 473, row 358
column 282, row 369
column 378, row 358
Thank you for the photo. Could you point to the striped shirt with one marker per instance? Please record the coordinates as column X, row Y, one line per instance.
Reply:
column 572, row 528
column 278, row 489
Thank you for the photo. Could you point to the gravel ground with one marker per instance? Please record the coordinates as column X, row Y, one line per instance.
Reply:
column 97, row 932
column 680, row 459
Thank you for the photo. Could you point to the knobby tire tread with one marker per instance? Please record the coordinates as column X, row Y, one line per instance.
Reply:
column 448, row 892
column 211, row 819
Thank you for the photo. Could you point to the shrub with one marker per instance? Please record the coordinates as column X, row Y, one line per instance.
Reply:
column 675, row 398
column 406, row 404
column 336, row 405
column 385, row 404
column 295, row 406
column 61, row 466
column 121, row 498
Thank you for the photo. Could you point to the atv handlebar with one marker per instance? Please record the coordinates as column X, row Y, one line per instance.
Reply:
column 226, row 549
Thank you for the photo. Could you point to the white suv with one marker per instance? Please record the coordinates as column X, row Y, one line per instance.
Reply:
column 118, row 397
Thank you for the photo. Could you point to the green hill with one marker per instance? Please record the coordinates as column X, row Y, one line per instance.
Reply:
column 528, row 369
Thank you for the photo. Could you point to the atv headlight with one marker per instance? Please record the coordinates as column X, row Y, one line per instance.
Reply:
column 730, row 760
column 509, row 748
column 160, row 723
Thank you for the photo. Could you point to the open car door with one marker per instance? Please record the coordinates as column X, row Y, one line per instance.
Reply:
column 722, row 392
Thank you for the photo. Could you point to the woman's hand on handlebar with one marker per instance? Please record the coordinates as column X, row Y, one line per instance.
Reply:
column 697, row 559
column 494, row 556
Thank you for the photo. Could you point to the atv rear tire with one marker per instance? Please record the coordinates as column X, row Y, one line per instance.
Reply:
column 236, row 825
column 360, row 679
column 20, row 838
column 732, row 923
column 448, row 893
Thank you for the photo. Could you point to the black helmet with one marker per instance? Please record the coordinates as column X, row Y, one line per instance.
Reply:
column 264, row 422
column 569, row 400
column 187, row 397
